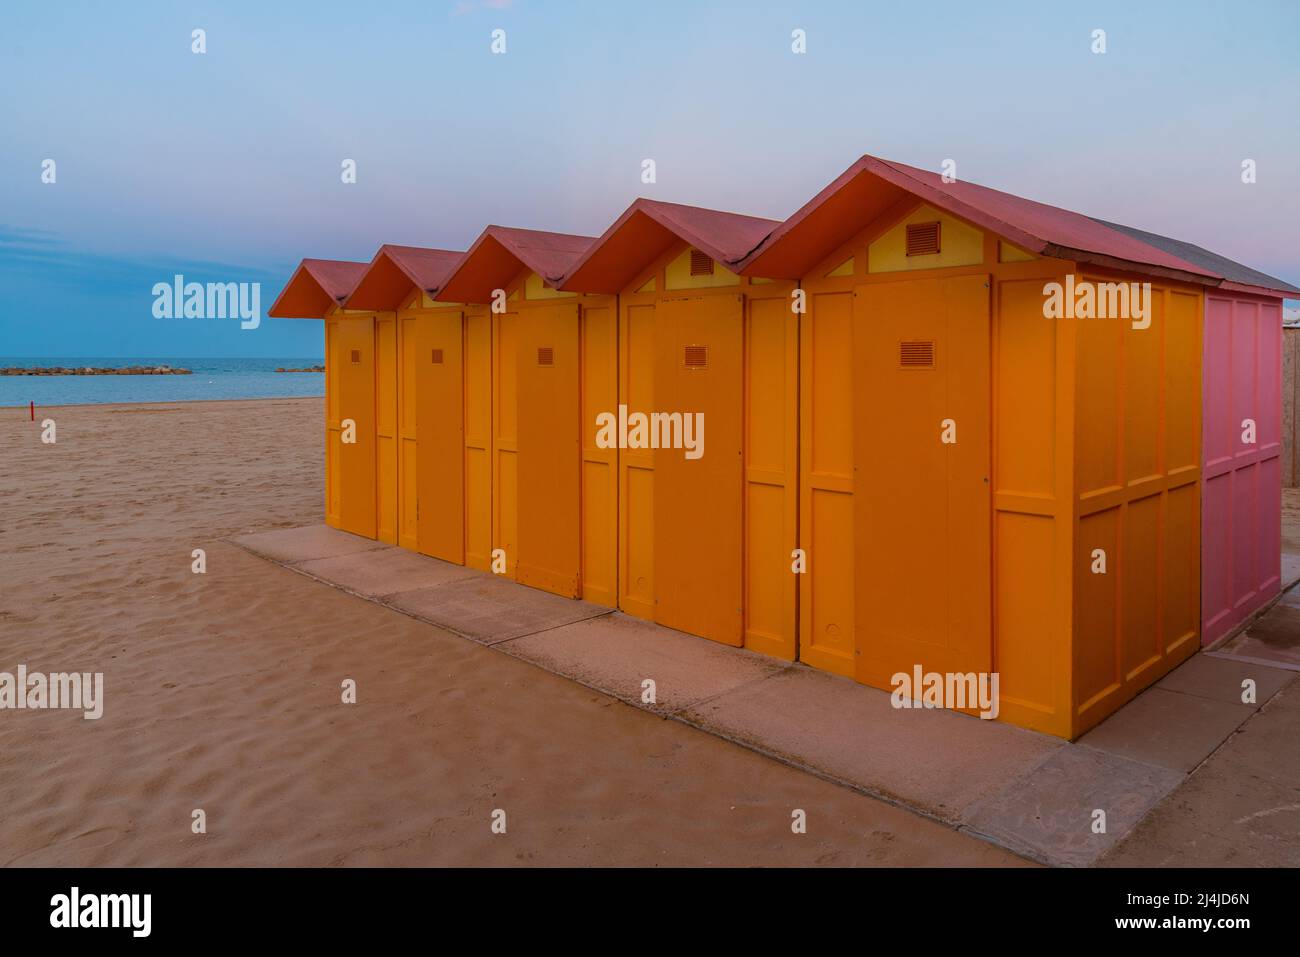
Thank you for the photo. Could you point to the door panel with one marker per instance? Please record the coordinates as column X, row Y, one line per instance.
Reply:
column 550, row 454
column 599, row 465
column 440, row 425
column 386, row 439
column 698, row 503
column 333, row 385
column 478, row 439
column 826, row 483
column 505, row 448
column 355, row 360
column 636, row 528
column 771, row 416
column 414, row 347
column 922, row 544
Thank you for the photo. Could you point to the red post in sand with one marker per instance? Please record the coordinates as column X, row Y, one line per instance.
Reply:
column 33, row 404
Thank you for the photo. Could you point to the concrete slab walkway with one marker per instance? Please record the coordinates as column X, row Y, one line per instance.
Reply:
column 1239, row 808
column 1037, row 795
column 1272, row 639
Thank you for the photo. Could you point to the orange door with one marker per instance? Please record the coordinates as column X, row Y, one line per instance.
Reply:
column 599, row 334
column 550, row 453
column 478, row 439
column 415, row 355
column 386, row 435
column 355, row 362
column 440, row 426
column 922, row 552
column 636, row 467
column 698, row 503
column 505, row 444
column 333, row 385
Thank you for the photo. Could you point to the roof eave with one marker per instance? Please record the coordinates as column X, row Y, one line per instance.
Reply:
column 873, row 166
column 274, row 311
column 449, row 290
column 1279, row 292
column 302, row 273
column 572, row 280
column 1129, row 265
column 382, row 254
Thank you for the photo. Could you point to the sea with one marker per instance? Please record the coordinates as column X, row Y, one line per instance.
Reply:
column 211, row 379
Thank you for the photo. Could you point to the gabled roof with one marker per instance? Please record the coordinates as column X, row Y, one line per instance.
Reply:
column 872, row 186
column 1238, row 277
column 395, row 271
column 498, row 255
column 648, row 228
column 316, row 287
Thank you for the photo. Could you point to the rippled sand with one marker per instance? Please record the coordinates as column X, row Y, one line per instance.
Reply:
column 222, row 691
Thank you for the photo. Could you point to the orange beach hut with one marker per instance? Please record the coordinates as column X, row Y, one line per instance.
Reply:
column 546, row 492
column 947, row 428
column 704, row 541
column 986, row 487
column 317, row 290
column 419, row 458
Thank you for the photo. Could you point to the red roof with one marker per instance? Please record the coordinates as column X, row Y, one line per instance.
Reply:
column 867, row 190
column 316, row 287
column 498, row 255
column 648, row 228
column 395, row 271
column 872, row 186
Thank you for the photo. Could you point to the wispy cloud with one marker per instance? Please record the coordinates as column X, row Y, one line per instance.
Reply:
column 469, row 6
column 23, row 236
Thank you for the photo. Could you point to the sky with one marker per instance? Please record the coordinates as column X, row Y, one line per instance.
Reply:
column 225, row 166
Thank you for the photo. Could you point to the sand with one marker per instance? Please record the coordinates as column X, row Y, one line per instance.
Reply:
column 222, row 692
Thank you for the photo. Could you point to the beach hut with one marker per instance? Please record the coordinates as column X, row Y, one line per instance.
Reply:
column 317, row 290
column 425, row 384
column 553, row 363
column 705, row 535
column 1002, row 456
column 949, row 430
column 1241, row 518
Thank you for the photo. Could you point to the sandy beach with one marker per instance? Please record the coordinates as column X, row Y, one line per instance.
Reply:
column 222, row 692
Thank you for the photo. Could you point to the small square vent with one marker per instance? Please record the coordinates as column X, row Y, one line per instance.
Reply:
column 356, row 357
column 923, row 239
column 701, row 265
column 436, row 357
column 916, row 354
column 546, row 355
column 696, row 357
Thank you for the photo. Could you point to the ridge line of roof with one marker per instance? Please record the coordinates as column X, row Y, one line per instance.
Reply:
column 1045, row 229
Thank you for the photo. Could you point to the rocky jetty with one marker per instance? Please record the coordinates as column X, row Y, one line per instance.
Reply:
column 311, row 369
column 88, row 370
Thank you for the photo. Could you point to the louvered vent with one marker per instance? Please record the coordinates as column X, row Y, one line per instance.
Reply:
column 701, row 265
column 436, row 357
column 916, row 354
column 545, row 355
column 923, row 239
column 696, row 357
column 356, row 356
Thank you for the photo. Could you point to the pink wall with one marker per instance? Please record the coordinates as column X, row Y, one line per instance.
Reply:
column 1241, row 503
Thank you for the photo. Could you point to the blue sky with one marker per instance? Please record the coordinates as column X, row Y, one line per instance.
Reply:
column 225, row 166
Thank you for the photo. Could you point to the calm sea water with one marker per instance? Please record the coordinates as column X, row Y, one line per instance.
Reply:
column 212, row 379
